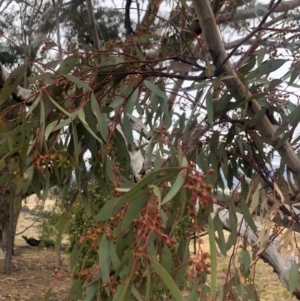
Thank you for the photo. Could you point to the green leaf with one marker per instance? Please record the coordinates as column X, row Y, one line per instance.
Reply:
column 245, row 261
column 124, row 294
column 293, row 277
column 210, row 109
column 156, row 177
column 251, row 293
column 68, row 64
column 105, row 259
column 81, row 116
column 56, row 125
column 116, row 103
column 167, row 259
column 76, row 291
column 134, row 210
column 233, row 228
column 48, row 294
column 139, row 53
column 108, row 210
column 261, row 55
column 193, row 293
column 218, row 225
column 123, row 154
column 26, row 180
column 131, row 102
column 60, row 108
column 167, row 279
column 154, row 88
column 101, row 118
column 126, row 127
column 76, row 252
column 13, row 81
column 77, row 81
column 213, row 256
column 266, row 68
column 248, row 66
column 91, row 291
column 62, row 222
column 136, row 294
column 177, row 184
column 245, row 210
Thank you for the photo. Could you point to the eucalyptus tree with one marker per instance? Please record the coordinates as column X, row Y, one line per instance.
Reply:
column 209, row 90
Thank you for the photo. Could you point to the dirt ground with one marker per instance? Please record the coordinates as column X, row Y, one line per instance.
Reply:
column 33, row 275
column 33, row 270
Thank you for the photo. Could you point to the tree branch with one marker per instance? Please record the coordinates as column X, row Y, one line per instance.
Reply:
column 237, row 88
column 251, row 13
column 92, row 21
column 270, row 254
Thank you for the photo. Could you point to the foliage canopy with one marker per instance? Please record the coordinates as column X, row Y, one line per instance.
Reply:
column 161, row 120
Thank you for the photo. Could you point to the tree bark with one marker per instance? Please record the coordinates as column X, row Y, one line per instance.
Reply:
column 237, row 89
column 9, row 214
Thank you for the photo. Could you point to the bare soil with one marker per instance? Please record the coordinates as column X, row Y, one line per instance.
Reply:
column 33, row 275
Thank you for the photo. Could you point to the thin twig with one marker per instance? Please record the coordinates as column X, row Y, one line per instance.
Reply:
column 16, row 280
column 28, row 227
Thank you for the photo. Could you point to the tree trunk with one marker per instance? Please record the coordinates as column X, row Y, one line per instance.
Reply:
column 9, row 217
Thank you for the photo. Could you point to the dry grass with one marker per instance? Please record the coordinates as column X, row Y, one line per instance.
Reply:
column 266, row 281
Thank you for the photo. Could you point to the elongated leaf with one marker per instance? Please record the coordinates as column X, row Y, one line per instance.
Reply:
column 247, row 216
column 101, row 118
column 245, row 261
column 107, row 211
column 266, row 68
column 131, row 102
column 77, row 81
column 193, row 294
column 134, row 210
column 213, row 257
column 76, row 252
column 218, row 225
column 210, row 109
column 167, row 259
column 155, row 89
column 60, row 108
column 136, row 294
column 105, row 258
column 261, row 55
column 293, row 277
column 167, row 280
column 91, row 291
column 177, row 184
column 48, row 294
column 76, row 291
column 68, row 64
column 62, row 222
column 156, row 177
column 127, row 130
column 125, row 289
column 81, row 116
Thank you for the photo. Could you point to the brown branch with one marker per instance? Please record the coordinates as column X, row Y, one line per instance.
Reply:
column 92, row 21
column 28, row 227
column 237, row 89
column 252, row 13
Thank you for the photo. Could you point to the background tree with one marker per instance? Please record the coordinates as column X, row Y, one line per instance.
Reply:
column 203, row 116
